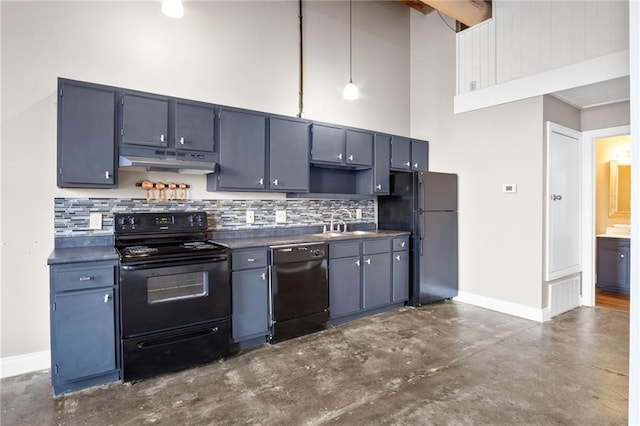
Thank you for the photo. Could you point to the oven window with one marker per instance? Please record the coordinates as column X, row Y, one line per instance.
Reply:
column 167, row 288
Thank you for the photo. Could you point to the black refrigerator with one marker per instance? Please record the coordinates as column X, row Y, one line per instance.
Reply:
column 426, row 204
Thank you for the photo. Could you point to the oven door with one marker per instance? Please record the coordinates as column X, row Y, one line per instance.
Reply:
column 162, row 296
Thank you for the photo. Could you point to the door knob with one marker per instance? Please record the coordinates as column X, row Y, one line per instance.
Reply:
column 555, row 197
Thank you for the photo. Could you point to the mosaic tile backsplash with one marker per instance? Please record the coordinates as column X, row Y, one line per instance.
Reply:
column 72, row 214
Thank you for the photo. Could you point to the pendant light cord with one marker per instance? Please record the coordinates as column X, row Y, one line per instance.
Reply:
column 350, row 43
column 301, row 88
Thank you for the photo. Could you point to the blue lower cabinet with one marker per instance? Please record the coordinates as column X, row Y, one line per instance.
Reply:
column 84, row 343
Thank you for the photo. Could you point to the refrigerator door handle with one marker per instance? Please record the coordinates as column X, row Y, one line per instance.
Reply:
column 421, row 213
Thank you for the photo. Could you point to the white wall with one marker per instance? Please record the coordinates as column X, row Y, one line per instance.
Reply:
column 243, row 54
column 500, row 235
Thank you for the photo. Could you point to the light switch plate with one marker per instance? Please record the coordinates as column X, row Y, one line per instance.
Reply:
column 358, row 213
column 281, row 216
column 95, row 221
column 509, row 188
column 250, row 216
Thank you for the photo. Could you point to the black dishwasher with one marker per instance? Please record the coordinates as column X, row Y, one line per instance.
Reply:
column 300, row 289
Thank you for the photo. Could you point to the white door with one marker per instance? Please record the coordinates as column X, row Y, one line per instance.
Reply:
column 562, row 204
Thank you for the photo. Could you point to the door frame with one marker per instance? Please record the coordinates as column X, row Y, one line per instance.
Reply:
column 588, row 207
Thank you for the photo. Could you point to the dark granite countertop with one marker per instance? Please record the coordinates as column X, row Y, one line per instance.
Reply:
column 82, row 249
column 82, row 254
column 265, row 241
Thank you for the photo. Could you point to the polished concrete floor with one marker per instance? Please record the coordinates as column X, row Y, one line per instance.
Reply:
column 441, row 364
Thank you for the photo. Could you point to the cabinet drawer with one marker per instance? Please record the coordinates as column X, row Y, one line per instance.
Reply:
column 346, row 249
column 84, row 277
column 248, row 259
column 376, row 246
column 401, row 243
column 613, row 243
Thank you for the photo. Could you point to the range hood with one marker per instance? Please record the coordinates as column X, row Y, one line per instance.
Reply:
column 149, row 159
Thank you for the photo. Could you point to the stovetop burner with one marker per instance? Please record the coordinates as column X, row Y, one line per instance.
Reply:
column 156, row 237
column 139, row 250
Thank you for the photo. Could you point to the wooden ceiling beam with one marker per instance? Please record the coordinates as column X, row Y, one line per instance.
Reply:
column 419, row 6
column 469, row 12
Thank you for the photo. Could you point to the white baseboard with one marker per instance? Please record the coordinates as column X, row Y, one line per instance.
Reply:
column 522, row 311
column 27, row 363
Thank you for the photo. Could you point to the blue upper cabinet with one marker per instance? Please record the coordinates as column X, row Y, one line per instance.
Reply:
column 243, row 136
column 145, row 120
column 327, row 144
column 409, row 154
column 194, row 125
column 336, row 145
column 86, row 149
column 288, row 154
column 359, row 148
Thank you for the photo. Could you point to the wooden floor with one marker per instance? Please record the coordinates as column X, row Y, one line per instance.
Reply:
column 617, row 301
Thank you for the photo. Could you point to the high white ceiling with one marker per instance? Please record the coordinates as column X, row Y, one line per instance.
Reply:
column 605, row 92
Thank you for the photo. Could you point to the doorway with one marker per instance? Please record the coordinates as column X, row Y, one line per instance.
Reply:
column 599, row 149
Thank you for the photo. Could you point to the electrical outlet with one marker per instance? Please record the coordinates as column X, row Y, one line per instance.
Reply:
column 281, row 216
column 358, row 213
column 95, row 221
column 250, row 216
column 509, row 187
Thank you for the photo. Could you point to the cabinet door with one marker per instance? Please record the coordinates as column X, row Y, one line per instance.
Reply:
column 145, row 120
column 400, row 280
column 400, row 153
column 250, row 304
column 194, row 126
column 288, row 155
column 242, row 150
column 344, row 286
column 419, row 155
column 613, row 269
column 83, row 333
column 327, row 144
column 359, row 148
column 382, row 146
column 86, row 136
column 376, row 280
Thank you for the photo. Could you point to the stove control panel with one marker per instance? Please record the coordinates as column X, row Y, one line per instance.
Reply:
column 135, row 223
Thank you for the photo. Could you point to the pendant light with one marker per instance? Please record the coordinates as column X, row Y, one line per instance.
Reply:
column 351, row 90
column 173, row 8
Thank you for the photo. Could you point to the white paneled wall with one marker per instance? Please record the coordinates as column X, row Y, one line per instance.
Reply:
column 525, row 38
column 476, row 57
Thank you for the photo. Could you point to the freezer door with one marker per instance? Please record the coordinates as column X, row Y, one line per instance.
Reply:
column 439, row 257
column 440, row 191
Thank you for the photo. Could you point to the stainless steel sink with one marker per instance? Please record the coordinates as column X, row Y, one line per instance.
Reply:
column 342, row 234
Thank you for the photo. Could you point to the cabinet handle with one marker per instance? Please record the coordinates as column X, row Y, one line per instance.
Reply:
column 378, row 186
column 398, row 258
column 351, row 157
column 402, row 244
column 86, row 278
column 263, row 276
column 408, row 164
column 368, row 261
column 182, row 140
column 357, row 262
column 251, row 259
column 339, row 156
column 106, row 298
column 415, row 165
column 107, row 175
column 622, row 256
column 161, row 138
column 275, row 182
column 555, row 197
column 261, row 181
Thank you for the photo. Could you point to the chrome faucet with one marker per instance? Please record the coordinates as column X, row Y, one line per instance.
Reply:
column 333, row 214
